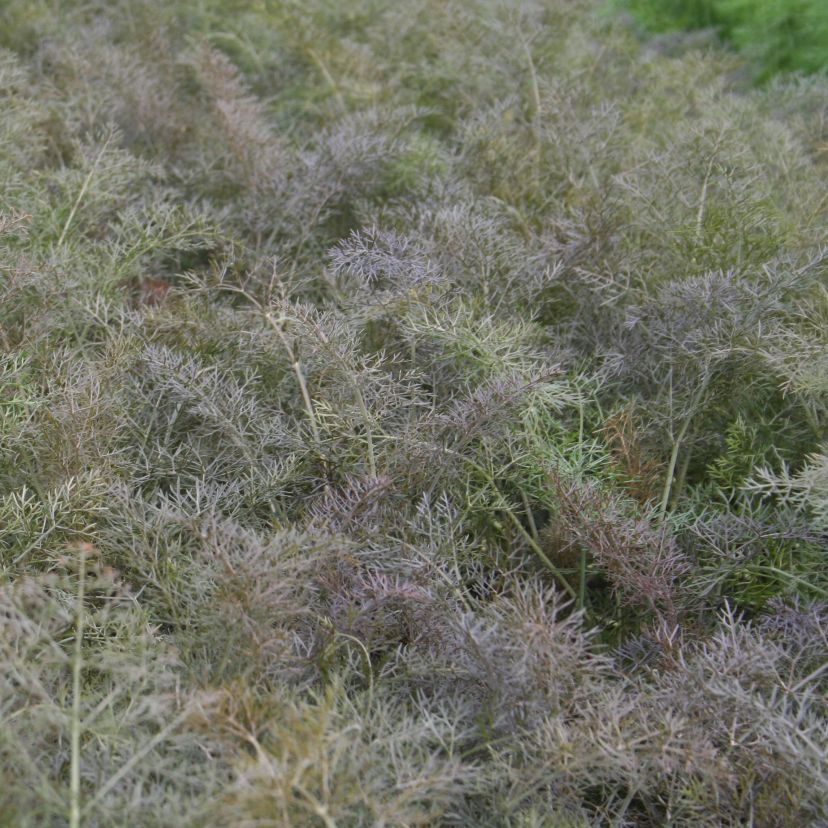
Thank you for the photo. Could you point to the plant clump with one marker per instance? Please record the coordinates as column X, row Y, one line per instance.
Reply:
column 410, row 414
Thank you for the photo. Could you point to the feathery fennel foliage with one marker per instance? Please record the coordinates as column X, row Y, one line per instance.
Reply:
column 410, row 414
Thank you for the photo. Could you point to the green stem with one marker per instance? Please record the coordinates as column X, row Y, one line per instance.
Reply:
column 541, row 554
column 791, row 577
column 316, row 58
column 84, row 187
column 671, row 468
column 678, row 486
column 296, row 365
column 529, row 516
column 536, row 114
column 372, row 458
column 363, row 407
column 558, row 574
column 134, row 760
column 77, row 667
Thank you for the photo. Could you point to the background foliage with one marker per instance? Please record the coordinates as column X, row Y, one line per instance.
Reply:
column 774, row 35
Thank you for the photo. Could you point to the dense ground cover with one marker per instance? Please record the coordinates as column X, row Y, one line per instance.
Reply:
column 410, row 414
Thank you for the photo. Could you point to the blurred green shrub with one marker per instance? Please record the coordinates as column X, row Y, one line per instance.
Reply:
column 775, row 35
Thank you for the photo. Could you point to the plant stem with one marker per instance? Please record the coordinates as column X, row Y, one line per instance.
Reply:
column 704, row 190
column 84, row 187
column 558, row 574
column 529, row 516
column 316, row 58
column 363, row 407
column 296, row 365
column 678, row 485
column 541, row 554
column 77, row 666
column 134, row 760
column 671, row 468
column 536, row 114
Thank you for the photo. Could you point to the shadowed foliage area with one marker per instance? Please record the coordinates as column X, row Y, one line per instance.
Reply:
column 410, row 414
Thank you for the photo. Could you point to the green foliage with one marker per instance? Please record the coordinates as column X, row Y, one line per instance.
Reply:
column 774, row 35
column 410, row 414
